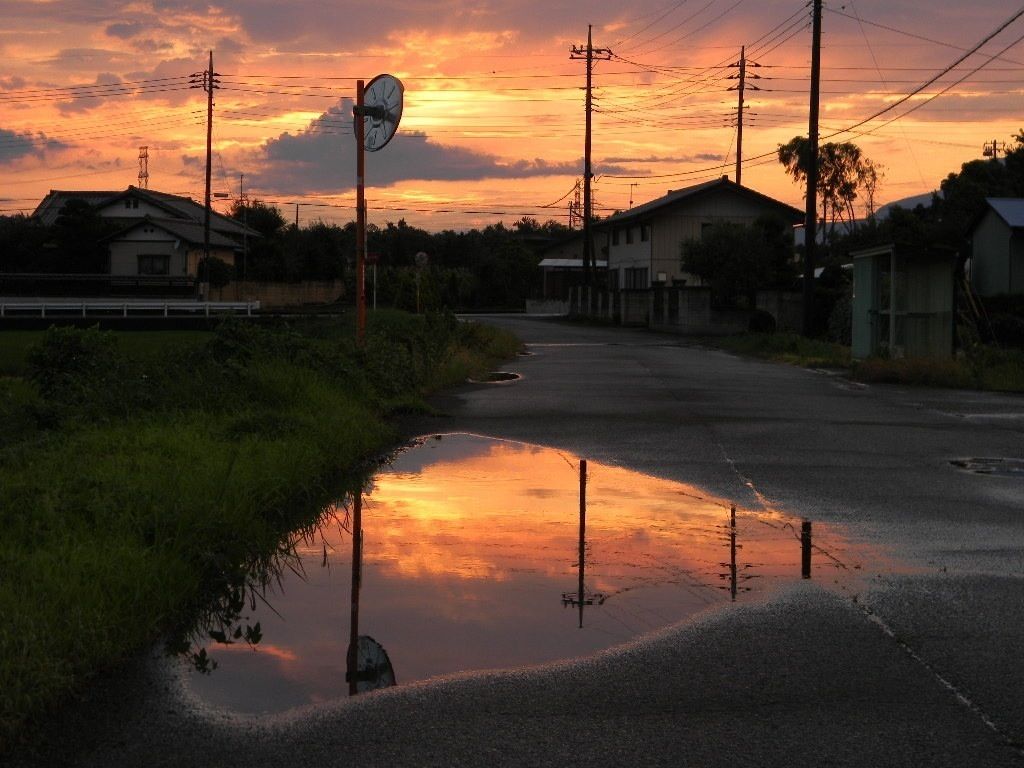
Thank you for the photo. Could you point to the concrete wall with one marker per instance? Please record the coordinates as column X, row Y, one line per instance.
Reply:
column 676, row 309
column 547, row 306
column 786, row 307
column 272, row 295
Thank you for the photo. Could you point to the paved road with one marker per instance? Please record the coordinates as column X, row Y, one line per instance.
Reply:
column 922, row 670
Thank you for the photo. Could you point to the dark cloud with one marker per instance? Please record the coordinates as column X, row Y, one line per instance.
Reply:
column 94, row 98
column 12, row 83
column 702, row 157
column 322, row 158
column 127, row 30
column 14, row 146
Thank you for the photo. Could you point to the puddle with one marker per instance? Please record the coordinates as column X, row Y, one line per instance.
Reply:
column 470, row 561
column 992, row 466
column 496, row 377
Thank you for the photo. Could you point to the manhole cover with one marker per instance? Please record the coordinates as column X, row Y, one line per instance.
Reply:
column 496, row 377
column 1005, row 467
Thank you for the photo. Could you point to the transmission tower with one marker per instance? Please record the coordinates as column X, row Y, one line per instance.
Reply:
column 143, row 167
column 575, row 208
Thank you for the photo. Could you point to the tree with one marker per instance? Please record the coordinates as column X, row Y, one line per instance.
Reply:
column 265, row 219
column 737, row 260
column 843, row 172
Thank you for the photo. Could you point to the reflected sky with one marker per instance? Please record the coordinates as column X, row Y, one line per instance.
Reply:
column 470, row 544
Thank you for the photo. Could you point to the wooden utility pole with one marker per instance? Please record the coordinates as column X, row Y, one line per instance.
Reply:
column 588, row 54
column 739, row 115
column 811, row 217
column 742, row 87
column 206, row 80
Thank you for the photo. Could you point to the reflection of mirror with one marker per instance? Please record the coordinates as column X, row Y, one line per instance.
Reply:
column 367, row 665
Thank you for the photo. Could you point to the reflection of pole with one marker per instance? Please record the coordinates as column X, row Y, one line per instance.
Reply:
column 805, row 549
column 732, row 552
column 357, row 577
column 583, row 529
column 360, row 217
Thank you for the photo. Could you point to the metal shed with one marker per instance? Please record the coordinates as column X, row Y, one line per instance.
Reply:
column 903, row 301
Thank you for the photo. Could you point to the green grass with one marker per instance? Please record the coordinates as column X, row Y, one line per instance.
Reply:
column 984, row 368
column 136, row 491
column 786, row 347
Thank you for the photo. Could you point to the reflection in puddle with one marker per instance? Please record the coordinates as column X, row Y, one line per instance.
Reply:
column 471, row 560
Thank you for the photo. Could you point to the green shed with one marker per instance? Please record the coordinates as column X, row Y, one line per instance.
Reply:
column 903, row 301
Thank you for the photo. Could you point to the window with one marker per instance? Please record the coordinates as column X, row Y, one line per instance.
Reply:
column 131, row 203
column 645, row 233
column 629, row 235
column 634, row 277
column 615, row 236
column 154, row 264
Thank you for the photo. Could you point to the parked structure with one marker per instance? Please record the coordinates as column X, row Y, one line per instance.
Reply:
column 997, row 248
column 644, row 244
column 903, row 301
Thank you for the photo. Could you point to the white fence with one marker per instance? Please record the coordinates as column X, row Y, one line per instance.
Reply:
column 136, row 308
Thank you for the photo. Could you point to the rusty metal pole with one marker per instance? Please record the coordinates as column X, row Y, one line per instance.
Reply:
column 583, row 531
column 360, row 217
column 805, row 549
column 357, row 578
column 732, row 552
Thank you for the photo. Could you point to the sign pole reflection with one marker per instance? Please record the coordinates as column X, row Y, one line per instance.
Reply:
column 357, row 576
column 368, row 666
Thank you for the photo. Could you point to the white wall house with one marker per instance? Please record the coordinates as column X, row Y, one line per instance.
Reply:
column 161, row 235
column 644, row 244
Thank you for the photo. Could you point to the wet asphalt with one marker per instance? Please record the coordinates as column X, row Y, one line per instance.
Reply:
column 922, row 666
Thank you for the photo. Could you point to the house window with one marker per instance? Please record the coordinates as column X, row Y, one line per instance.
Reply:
column 131, row 203
column 154, row 264
column 629, row 235
column 645, row 233
column 615, row 236
column 634, row 277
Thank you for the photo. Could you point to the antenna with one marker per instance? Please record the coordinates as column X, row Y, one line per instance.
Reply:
column 143, row 167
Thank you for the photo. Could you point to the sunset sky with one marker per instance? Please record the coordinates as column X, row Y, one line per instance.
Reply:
column 494, row 109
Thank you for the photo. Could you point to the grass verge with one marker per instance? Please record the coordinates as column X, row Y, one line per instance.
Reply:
column 141, row 479
column 983, row 368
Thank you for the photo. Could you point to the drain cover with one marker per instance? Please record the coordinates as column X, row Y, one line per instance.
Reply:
column 1006, row 467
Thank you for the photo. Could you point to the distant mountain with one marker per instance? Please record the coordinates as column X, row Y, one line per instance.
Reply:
column 910, row 203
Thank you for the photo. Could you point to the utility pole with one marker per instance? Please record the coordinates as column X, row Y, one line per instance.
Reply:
column 993, row 148
column 588, row 53
column 208, row 81
column 741, row 88
column 811, row 218
column 245, row 223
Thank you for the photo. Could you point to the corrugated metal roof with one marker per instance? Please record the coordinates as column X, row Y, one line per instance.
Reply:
column 1009, row 209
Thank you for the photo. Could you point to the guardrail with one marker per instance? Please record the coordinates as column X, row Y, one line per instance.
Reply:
column 126, row 308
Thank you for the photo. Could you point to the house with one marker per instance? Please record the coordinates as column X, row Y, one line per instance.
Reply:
column 997, row 247
column 160, row 236
column 644, row 244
